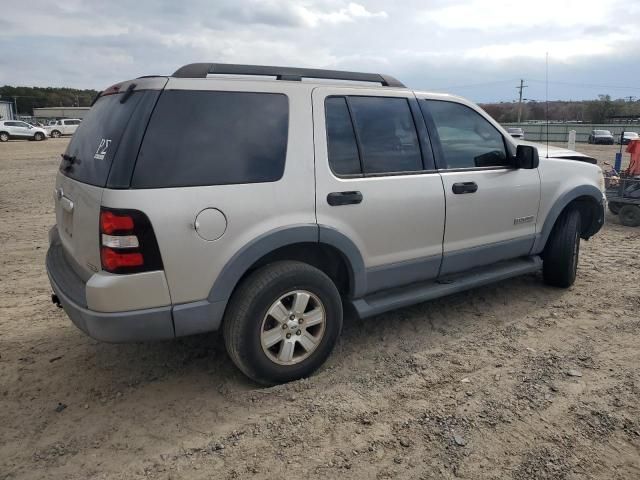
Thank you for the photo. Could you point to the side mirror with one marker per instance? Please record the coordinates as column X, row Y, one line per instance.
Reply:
column 526, row 157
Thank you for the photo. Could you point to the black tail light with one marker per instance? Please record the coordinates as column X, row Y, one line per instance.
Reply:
column 127, row 242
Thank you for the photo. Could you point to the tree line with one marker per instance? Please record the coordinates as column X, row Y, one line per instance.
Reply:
column 28, row 98
column 601, row 110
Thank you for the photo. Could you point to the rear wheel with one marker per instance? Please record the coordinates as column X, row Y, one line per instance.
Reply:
column 282, row 322
column 55, row 134
column 630, row 215
column 614, row 207
column 562, row 250
column 4, row 137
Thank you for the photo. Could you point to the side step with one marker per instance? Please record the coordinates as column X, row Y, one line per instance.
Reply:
column 381, row 302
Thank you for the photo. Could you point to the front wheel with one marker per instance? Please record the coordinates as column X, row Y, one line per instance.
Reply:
column 630, row 216
column 561, row 253
column 55, row 134
column 38, row 137
column 282, row 322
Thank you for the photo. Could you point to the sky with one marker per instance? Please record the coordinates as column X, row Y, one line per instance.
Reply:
column 479, row 49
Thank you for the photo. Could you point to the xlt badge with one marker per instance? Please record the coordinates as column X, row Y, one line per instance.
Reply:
column 519, row 220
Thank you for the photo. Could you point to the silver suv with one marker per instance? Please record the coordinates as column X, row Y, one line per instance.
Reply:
column 16, row 129
column 261, row 200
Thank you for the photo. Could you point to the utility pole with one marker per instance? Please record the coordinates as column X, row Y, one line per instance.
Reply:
column 520, row 88
column 630, row 98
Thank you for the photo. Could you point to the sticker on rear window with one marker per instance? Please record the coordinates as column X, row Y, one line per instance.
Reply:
column 102, row 149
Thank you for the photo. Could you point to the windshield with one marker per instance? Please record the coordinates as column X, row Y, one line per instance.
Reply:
column 630, row 134
column 514, row 130
column 602, row 132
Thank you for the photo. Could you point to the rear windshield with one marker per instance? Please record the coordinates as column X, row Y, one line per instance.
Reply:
column 213, row 138
column 602, row 132
column 93, row 147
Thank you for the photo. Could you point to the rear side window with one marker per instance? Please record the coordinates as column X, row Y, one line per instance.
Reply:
column 93, row 147
column 213, row 138
column 467, row 139
column 385, row 135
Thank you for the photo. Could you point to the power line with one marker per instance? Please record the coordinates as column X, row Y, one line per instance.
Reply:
column 588, row 85
column 458, row 87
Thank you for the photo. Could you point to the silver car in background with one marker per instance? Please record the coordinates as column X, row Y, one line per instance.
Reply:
column 516, row 132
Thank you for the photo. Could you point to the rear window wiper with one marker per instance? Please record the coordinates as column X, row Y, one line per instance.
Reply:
column 128, row 92
column 72, row 159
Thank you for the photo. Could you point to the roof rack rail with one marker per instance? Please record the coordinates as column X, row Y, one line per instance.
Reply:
column 201, row 70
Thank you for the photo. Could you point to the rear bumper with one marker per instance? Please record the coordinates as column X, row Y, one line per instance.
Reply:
column 147, row 324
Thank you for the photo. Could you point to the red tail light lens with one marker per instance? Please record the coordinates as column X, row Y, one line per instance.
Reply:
column 113, row 260
column 127, row 242
column 111, row 223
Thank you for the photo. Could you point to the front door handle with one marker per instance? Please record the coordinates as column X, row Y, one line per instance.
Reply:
column 344, row 198
column 465, row 187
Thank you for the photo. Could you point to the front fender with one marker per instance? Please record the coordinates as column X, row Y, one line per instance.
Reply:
column 581, row 191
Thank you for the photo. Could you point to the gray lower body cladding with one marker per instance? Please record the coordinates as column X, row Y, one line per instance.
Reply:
column 162, row 323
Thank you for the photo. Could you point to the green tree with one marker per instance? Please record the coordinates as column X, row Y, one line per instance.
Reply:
column 599, row 110
column 28, row 98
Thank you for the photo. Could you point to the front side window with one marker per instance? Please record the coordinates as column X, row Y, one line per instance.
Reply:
column 467, row 139
column 371, row 135
column 387, row 134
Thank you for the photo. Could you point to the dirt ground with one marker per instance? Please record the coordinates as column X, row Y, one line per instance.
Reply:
column 514, row 380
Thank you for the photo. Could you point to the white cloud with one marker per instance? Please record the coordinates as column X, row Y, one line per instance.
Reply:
column 351, row 13
column 565, row 50
column 92, row 43
column 483, row 15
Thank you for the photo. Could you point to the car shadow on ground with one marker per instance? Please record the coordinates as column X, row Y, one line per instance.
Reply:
column 423, row 326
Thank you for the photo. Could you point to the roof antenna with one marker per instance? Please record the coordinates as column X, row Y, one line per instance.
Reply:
column 547, row 97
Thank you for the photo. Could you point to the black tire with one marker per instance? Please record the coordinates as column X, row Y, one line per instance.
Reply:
column 55, row 134
column 630, row 215
column 4, row 137
column 614, row 207
column 562, row 251
column 38, row 137
column 243, row 321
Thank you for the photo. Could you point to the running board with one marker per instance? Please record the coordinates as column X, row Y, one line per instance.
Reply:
column 381, row 302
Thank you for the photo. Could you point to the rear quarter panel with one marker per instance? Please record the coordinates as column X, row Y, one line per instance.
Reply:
column 191, row 263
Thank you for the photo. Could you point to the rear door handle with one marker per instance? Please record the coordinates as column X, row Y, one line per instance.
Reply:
column 465, row 187
column 344, row 198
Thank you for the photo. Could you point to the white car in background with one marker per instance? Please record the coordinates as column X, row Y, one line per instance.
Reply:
column 516, row 132
column 67, row 126
column 20, row 130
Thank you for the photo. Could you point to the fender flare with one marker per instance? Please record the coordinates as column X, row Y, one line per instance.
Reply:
column 557, row 208
column 266, row 243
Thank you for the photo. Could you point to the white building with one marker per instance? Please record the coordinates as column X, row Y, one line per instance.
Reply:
column 6, row 110
column 60, row 112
